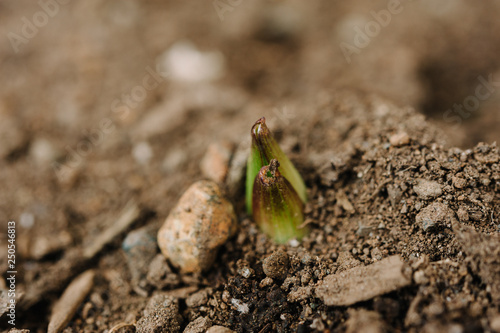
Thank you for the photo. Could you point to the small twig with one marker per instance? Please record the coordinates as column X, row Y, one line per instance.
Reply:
column 73, row 296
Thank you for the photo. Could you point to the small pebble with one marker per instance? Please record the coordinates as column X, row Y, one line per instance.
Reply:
column 199, row 325
column 197, row 299
column 399, row 139
column 202, row 221
column 276, row 265
column 427, row 189
column 215, row 163
column 435, row 214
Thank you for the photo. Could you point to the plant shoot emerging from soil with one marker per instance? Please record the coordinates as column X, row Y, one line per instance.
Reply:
column 277, row 208
column 265, row 148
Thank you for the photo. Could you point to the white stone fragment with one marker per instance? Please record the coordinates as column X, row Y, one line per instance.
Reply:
column 240, row 306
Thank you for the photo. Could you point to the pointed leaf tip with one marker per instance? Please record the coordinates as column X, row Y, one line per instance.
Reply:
column 277, row 209
column 259, row 129
column 265, row 148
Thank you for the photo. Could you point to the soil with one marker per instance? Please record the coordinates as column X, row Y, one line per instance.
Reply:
column 390, row 178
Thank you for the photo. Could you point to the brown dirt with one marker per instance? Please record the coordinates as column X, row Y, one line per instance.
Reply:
column 382, row 180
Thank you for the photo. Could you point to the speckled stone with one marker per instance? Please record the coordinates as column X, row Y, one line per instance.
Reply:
column 202, row 221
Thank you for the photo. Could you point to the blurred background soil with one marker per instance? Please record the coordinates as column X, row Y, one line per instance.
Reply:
column 102, row 102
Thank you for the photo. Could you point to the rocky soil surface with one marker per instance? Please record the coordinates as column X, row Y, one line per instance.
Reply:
column 110, row 111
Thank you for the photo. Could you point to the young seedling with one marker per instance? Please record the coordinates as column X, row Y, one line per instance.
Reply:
column 277, row 208
column 265, row 148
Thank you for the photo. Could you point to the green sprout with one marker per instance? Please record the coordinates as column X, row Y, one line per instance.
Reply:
column 265, row 148
column 277, row 208
column 274, row 197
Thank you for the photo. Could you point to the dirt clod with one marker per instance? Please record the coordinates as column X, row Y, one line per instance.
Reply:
column 346, row 261
column 65, row 177
column 363, row 283
column 427, row 189
column 197, row 299
column 161, row 315
column 160, row 275
column 484, row 252
column 276, row 265
column 199, row 325
column 434, row 215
